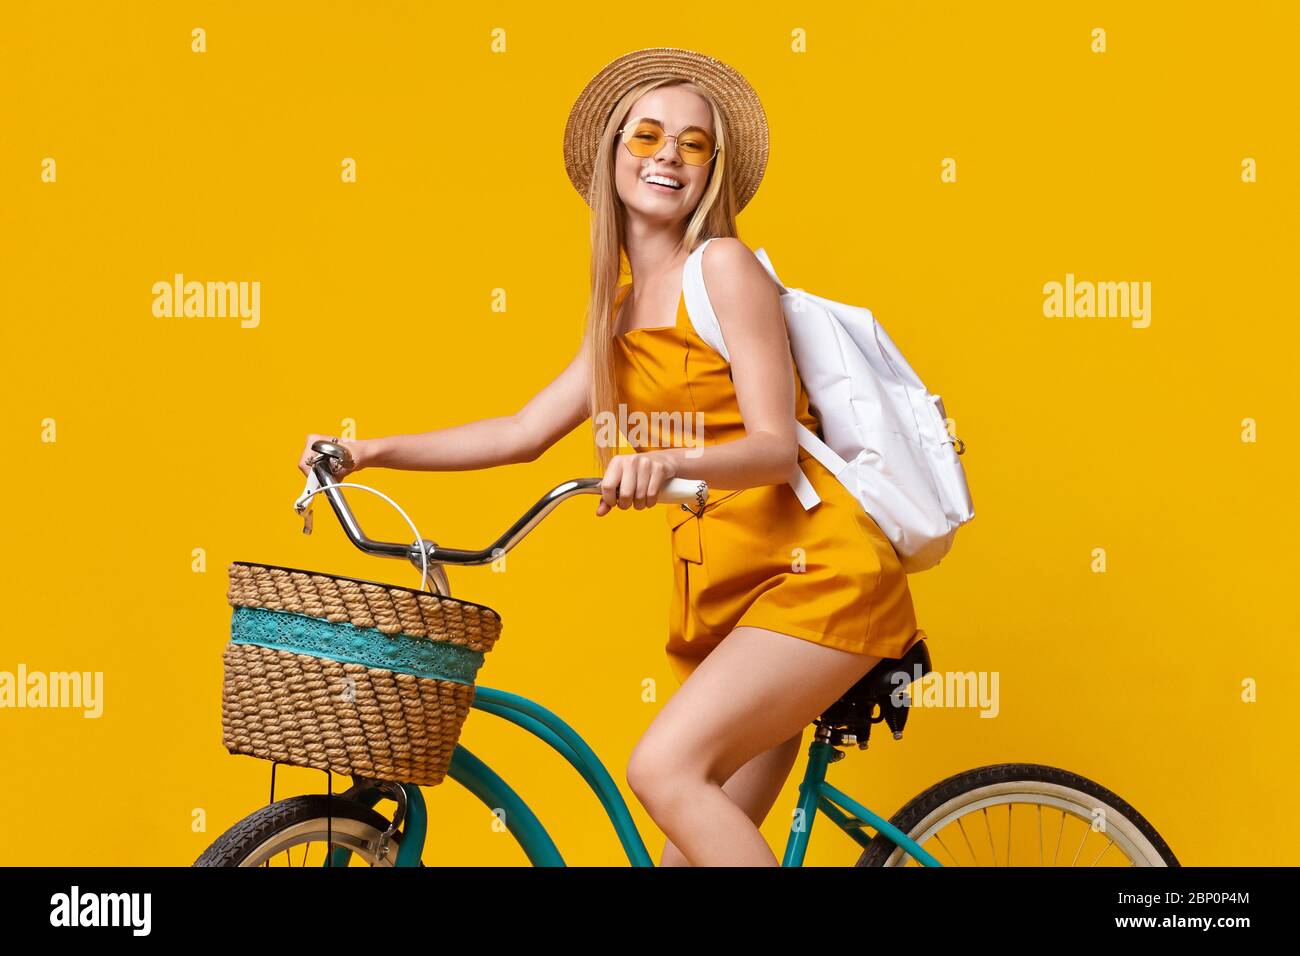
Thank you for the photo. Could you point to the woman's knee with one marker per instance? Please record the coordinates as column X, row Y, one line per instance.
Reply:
column 659, row 768
column 648, row 770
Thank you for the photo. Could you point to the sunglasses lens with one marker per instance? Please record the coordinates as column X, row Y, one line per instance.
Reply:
column 695, row 146
column 645, row 137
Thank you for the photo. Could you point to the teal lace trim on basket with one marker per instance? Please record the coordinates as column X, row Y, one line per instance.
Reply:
column 404, row 653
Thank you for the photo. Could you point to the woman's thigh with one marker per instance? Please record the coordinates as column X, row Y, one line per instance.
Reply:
column 754, row 691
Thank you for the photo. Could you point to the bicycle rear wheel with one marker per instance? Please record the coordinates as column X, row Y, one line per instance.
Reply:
column 1022, row 815
column 296, row 830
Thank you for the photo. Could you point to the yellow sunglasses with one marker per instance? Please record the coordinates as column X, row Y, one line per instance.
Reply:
column 644, row 136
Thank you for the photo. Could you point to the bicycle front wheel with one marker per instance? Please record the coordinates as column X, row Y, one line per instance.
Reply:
column 295, row 832
column 1022, row 815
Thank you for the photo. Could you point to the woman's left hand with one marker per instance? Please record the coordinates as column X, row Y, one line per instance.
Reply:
column 635, row 480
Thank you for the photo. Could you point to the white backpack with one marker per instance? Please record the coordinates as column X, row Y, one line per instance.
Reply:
column 886, row 436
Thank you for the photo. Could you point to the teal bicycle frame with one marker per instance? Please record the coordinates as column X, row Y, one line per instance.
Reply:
column 476, row 776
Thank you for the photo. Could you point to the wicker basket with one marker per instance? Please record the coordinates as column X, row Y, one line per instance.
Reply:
column 351, row 676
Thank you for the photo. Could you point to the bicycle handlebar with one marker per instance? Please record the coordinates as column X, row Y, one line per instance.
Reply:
column 675, row 491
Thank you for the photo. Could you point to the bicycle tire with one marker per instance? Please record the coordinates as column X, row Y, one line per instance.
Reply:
column 917, row 815
column 353, row 824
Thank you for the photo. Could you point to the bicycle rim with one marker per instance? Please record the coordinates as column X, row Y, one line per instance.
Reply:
column 1068, row 821
column 296, row 832
column 303, row 844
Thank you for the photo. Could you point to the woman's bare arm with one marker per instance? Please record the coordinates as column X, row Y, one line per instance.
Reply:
column 506, row 439
column 748, row 307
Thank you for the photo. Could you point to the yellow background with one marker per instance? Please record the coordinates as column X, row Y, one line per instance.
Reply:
column 177, row 434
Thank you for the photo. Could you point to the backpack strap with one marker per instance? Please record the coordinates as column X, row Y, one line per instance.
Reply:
column 767, row 264
column 705, row 322
column 698, row 306
column 823, row 452
column 803, row 488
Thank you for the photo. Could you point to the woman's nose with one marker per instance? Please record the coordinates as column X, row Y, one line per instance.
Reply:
column 668, row 149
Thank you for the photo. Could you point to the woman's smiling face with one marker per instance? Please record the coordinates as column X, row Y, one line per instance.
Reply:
column 675, row 108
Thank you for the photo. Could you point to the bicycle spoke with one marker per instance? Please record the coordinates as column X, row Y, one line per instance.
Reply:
column 1109, row 844
column 1059, row 834
column 1008, row 834
column 961, row 827
column 1079, row 848
column 988, row 830
column 951, row 856
column 1040, row 834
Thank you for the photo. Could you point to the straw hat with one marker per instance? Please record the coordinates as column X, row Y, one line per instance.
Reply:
column 746, row 122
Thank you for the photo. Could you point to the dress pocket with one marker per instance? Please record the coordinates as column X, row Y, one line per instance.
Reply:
column 686, row 542
column 684, row 526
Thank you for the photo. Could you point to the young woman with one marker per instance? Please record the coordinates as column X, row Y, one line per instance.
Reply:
column 777, row 611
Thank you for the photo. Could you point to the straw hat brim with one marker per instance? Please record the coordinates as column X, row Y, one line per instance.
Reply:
column 746, row 122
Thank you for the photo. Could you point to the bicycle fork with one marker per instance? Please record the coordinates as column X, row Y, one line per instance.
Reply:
column 410, row 808
column 367, row 792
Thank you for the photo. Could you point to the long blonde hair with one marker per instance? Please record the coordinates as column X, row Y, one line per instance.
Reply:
column 714, row 216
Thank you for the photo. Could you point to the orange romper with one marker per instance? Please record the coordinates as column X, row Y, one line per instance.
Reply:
column 755, row 556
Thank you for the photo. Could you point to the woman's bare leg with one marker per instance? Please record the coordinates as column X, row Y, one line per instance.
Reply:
column 754, row 788
column 755, row 691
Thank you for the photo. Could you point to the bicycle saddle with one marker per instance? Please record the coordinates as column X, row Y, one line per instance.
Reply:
column 849, row 719
column 891, row 673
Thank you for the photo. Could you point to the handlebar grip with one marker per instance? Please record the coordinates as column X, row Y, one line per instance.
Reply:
column 691, row 492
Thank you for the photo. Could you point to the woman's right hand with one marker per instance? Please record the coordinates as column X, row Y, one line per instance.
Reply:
column 337, row 469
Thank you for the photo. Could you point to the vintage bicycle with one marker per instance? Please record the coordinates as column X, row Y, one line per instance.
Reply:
column 1014, row 814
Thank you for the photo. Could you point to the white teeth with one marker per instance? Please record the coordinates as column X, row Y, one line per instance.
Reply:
column 663, row 181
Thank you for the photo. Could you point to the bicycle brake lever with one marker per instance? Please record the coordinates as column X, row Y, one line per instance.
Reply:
column 302, row 505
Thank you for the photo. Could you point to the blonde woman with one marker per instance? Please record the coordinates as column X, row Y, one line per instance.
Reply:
column 776, row 611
